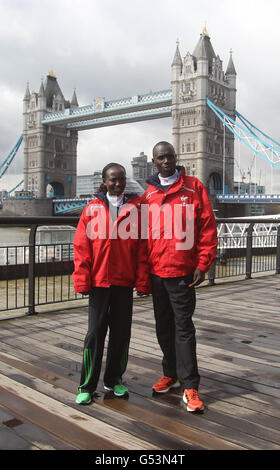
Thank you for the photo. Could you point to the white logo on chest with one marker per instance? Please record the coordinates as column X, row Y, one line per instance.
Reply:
column 183, row 199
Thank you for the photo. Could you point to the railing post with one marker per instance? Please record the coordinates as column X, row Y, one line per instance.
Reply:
column 31, row 271
column 249, row 251
column 211, row 274
column 278, row 251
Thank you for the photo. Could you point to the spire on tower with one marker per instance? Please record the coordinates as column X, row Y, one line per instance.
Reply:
column 177, row 57
column 42, row 90
column 27, row 93
column 74, row 101
column 230, row 68
column 204, row 48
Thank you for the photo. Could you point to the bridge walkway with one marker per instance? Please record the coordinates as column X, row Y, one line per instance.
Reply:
column 238, row 350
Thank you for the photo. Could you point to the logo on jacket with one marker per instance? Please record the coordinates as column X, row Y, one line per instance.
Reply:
column 188, row 189
column 150, row 194
column 183, row 199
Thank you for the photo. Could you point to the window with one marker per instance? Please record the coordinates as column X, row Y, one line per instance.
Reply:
column 210, row 147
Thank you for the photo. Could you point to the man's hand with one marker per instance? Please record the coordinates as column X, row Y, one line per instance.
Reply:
column 198, row 278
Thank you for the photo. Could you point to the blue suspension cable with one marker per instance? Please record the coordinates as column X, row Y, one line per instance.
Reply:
column 219, row 113
column 11, row 190
column 242, row 118
column 6, row 163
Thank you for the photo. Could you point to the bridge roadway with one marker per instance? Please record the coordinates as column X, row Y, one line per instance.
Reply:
column 102, row 113
column 63, row 206
column 238, row 351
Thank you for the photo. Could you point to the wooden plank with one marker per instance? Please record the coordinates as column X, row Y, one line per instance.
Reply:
column 159, row 422
column 185, row 432
column 159, row 439
column 36, row 437
column 129, row 410
column 170, row 405
column 61, row 420
column 240, row 396
column 233, row 429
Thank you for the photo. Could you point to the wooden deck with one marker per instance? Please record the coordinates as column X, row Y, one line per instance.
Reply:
column 238, row 350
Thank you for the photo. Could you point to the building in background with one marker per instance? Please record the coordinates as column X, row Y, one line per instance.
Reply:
column 198, row 135
column 87, row 185
column 142, row 169
column 240, row 187
column 50, row 152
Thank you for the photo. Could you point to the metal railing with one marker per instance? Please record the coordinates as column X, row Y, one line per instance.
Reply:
column 246, row 247
column 38, row 274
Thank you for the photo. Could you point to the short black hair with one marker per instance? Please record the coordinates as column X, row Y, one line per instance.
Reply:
column 103, row 188
column 163, row 142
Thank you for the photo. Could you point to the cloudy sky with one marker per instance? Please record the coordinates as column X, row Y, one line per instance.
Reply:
column 114, row 49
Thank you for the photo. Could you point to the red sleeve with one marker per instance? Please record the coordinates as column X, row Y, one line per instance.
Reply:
column 143, row 283
column 82, row 257
column 207, row 233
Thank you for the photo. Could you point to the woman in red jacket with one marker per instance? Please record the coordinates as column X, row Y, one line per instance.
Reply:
column 110, row 259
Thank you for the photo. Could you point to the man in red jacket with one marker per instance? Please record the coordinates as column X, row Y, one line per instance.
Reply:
column 182, row 242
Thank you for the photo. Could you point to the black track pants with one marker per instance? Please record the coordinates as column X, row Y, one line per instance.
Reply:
column 174, row 305
column 108, row 308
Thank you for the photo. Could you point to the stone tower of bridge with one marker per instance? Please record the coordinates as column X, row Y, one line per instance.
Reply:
column 50, row 152
column 198, row 135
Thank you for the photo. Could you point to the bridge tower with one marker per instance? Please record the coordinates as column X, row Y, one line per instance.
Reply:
column 202, row 146
column 50, row 152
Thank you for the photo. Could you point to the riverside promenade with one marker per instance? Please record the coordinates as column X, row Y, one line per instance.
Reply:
column 238, row 343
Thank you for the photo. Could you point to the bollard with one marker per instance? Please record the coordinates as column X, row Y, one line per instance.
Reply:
column 31, row 271
column 249, row 251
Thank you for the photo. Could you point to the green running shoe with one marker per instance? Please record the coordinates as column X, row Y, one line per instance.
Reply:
column 120, row 390
column 84, row 398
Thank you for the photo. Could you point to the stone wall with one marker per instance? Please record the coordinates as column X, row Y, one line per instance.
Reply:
column 27, row 207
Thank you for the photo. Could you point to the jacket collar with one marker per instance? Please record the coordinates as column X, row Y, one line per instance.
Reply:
column 127, row 197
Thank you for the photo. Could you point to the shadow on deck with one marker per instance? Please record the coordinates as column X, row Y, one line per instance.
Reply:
column 238, row 352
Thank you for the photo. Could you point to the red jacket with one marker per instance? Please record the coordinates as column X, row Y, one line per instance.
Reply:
column 168, row 257
column 103, row 260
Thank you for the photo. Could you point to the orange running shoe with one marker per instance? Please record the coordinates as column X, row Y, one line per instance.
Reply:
column 192, row 400
column 165, row 384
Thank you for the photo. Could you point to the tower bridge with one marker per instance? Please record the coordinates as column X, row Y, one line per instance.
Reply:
column 51, row 123
column 101, row 113
column 201, row 103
